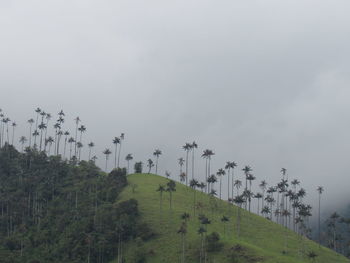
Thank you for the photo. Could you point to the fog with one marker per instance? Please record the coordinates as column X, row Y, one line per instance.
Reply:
column 262, row 83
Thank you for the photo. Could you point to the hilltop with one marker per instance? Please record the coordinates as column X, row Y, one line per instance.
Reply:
column 260, row 239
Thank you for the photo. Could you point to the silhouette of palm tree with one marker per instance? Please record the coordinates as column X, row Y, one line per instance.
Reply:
column 157, row 153
column 107, row 152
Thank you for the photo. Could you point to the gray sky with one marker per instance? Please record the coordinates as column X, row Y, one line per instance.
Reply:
column 264, row 83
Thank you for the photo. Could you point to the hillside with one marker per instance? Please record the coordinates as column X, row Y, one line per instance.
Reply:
column 260, row 239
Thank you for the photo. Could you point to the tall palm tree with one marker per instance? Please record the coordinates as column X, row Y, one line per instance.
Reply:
column 183, row 231
column 14, row 124
column 233, row 166
column 201, row 232
column 107, row 152
column 82, row 129
column 228, row 168
column 181, row 163
column 38, row 111
column 284, row 172
column 207, row 156
column 77, row 120
column 161, row 189
column 23, row 140
column 224, row 220
column 320, row 190
column 116, row 141
column 239, row 201
column 79, row 146
column 194, row 146
column 157, row 153
column 66, row 134
column 237, row 184
column 42, row 126
column 70, row 141
column 263, row 186
column 258, row 196
column 128, row 158
column 90, row 145
column 122, row 135
column 247, row 169
column 193, row 184
column 221, row 172
column 50, row 140
column 48, row 118
column 150, row 164
column 171, row 187
column 30, row 121
column 35, row 134
column 187, row 147
column 266, row 211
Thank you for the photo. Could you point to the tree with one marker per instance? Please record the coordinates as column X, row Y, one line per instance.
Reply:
column 90, row 145
column 161, row 189
column 116, row 141
column 129, row 158
column 157, row 153
column 258, row 196
column 66, row 134
column 266, row 211
column 193, row 147
column 23, row 140
column 201, row 232
column 320, row 191
column 49, row 141
column 247, row 169
column 122, row 136
column 187, row 147
column 193, row 184
column 263, row 186
column 107, row 152
column 181, row 162
column 70, row 141
column 207, row 154
column 79, row 146
column 239, row 201
column 183, row 231
column 30, row 121
column 221, row 172
column 138, row 167
column 14, row 124
column 82, row 129
column 150, row 164
column 77, row 120
column 171, row 187
column 224, row 220
column 237, row 184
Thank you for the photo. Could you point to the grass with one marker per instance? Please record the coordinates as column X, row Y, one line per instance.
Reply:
column 260, row 241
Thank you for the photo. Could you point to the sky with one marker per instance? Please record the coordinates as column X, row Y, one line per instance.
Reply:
column 261, row 83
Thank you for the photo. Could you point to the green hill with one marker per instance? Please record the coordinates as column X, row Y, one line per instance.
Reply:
column 260, row 240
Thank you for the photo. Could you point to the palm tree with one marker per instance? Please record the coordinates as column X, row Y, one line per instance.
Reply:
column 187, row 147
column 107, row 152
column 14, row 124
column 263, row 186
column 79, row 146
column 157, row 153
column 221, row 172
column 237, row 184
column 161, row 189
column 224, row 220
column 70, row 141
column 228, row 168
column 239, row 200
column 233, row 166
column 42, row 126
column 248, row 196
column 77, row 120
column 50, row 141
column 90, row 145
column 116, row 141
column 171, row 187
column 120, row 146
column 247, row 169
column 48, row 118
column 258, row 196
column 193, row 147
column 23, row 140
column 201, row 232
column 35, row 134
column 94, row 158
column 211, row 181
column 30, row 121
column 66, row 134
column 266, row 211
column 183, row 231
column 181, row 163
column 150, row 164
column 193, row 184
column 207, row 155
column 128, row 158
column 284, row 172
column 82, row 129
column 320, row 190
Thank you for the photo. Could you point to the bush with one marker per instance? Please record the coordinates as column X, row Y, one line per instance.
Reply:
column 214, row 244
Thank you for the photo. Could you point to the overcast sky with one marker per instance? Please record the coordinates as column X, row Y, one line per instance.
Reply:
column 264, row 83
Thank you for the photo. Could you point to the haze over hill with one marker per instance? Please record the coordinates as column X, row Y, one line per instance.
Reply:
column 261, row 83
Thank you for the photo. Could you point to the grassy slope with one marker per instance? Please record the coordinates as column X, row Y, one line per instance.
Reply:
column 262, row 239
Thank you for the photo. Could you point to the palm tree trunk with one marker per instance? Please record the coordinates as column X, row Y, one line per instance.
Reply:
column 228, row 184
column 220, row 187
column 319, row 220
column 187, row 166
column 106, row 164
column 13, row 134
column 193, row 163
column 115, row 155
column 157, row 164
column 120, row 147
column 65, row 146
